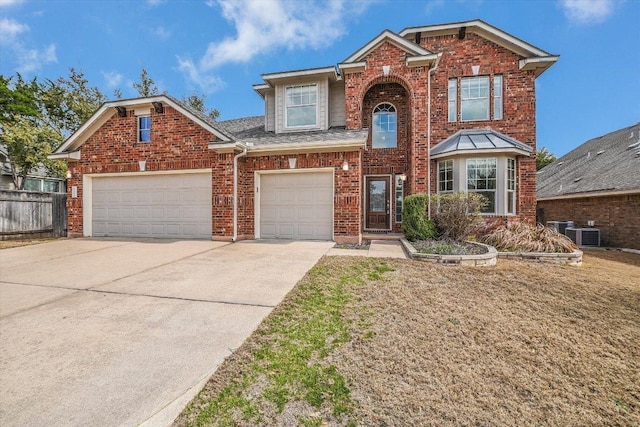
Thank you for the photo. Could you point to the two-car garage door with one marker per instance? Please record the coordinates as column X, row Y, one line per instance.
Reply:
column 296, row 205
column 158, row 205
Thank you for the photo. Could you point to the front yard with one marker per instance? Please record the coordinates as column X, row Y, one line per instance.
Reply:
column 392, row 342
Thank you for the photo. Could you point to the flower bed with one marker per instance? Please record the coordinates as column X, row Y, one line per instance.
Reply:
column 484, row 255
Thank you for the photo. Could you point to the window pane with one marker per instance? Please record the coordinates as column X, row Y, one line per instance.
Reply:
column 474, row 94
column 491, row 197
column 144, row 126
column 378, row 196
column 453, row 89
column 301, row 102
column 301, row 116
column 31, row 184
column 399, row 197
column 50, row 186
column 445, row 176
column 383, row 134
column 497, row 97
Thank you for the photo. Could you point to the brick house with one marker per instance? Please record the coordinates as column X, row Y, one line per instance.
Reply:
column 430, row 109
column 597, row 181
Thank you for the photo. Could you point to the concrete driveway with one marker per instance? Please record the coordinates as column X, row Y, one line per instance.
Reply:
column 112, row 332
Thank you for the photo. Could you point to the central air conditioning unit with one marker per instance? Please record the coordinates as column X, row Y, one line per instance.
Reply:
column 583, row 236
column 559, row 226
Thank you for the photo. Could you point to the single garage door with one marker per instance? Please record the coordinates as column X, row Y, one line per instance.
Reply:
column 160, row 206
column 296, row 206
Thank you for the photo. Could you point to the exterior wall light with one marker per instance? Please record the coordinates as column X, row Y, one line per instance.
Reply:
column 69, row 174
column 345, row 166
column 403, row 177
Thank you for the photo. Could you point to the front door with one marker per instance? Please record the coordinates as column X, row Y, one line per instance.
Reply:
column 378, row 202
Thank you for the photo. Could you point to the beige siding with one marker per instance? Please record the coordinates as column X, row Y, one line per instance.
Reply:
column 323, row 106
column 336, row 104
column 270, row 111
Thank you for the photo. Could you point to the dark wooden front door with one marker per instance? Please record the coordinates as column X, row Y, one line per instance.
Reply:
column 378, row 202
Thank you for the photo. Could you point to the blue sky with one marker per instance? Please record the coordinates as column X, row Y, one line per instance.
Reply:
column 221, row 47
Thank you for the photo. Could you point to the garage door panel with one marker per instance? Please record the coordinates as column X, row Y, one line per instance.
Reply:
column 166, row 205
column 296, row 206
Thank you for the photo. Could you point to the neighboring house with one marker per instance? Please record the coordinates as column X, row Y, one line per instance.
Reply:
column 36, row 181
column 430, row 109
column 598, row 181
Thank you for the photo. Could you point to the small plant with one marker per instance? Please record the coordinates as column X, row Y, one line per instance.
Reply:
column 525, row 237
column 458, row 214
column 416, row 224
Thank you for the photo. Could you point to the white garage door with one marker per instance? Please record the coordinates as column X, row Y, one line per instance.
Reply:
column 159, row 206
column 296, row 206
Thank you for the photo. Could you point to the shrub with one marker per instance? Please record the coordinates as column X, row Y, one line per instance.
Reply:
column 416, row 224
column 457, row 214
column 524, row 237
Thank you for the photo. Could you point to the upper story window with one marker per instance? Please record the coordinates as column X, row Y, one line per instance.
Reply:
column 301, row 106
column 144, row 128
column 475, row 98
column 384, row 132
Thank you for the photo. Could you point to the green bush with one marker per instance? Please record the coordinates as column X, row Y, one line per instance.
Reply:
column 457, row 214
column 416, row 224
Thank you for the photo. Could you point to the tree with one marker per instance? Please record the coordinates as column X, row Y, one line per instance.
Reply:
column 18, row 99
column 543, row 158
column 28, row 145
column 196, row 101
column 146, row 86
column 69, row 102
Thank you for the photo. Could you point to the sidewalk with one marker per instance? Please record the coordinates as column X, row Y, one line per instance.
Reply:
column 378, row 248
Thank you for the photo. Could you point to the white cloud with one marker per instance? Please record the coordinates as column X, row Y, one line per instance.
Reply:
column 207, row 82
column 155, row 2
column 10, row 28
column 263, row 26
column 587, row 11
column 4, row 3
column 112, row 78
column 30, row 60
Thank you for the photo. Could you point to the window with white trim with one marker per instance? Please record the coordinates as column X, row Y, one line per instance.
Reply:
column 474, row 98
column 301, row 106
column 497, row 97
column 144, row 128
column 445, row 176
column 481, row 179
column 453, row 99
column 399, row 196
column 511, row 186
column 384, row 133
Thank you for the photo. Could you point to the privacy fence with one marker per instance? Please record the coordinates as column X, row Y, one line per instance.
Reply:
column 25, row 214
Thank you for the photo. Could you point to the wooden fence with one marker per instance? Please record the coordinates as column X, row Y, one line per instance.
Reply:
column 25, row 214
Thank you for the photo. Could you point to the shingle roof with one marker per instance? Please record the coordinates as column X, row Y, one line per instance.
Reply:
column 610, row 162
column 478, row 139
column 250, row 131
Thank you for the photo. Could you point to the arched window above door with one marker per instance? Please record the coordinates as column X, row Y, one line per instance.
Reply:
column 384, row 129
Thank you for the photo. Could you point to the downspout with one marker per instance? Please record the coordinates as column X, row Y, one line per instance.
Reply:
column 235, row 192
column 431, row 70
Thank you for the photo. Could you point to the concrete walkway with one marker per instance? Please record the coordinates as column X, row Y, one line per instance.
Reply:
column 377, row 248
column 98, row 332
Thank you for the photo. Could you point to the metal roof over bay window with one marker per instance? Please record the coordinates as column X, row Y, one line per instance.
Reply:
column 475, row 141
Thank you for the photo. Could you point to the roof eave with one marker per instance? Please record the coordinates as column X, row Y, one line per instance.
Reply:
column 482, row 151
column 393, row 38
column 538, row 64
column 330, row 72
column 297, row 147
column 591, row 194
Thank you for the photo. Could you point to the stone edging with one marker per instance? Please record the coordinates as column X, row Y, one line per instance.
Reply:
column 573, row 258
column 480, row 260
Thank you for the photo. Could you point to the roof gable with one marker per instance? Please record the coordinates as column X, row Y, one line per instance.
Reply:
column 608, row 163
column 108, row 109
column 533, row 58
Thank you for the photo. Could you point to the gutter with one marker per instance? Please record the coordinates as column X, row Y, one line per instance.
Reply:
column 431, row 70
column 235, row 192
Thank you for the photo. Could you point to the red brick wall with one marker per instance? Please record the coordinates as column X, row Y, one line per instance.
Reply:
column 347, row 197
column 176, row 143
column 458, row 57
column 617, row 217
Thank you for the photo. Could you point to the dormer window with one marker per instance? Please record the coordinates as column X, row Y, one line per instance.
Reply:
column 301, row 106
column 144, row 128
column 384, row 133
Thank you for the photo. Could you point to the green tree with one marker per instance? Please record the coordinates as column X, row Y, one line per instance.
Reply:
column 68, row 102
column 146, row 86
column 197, row 102
column 28, row 145
column 18, row 98
column 544, row 157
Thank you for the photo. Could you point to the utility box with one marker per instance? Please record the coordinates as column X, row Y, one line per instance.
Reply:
column 584, row 236
column 559, row 226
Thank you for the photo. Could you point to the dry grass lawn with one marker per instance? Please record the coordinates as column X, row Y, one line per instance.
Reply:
column 521, row 343
column 6, row 244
